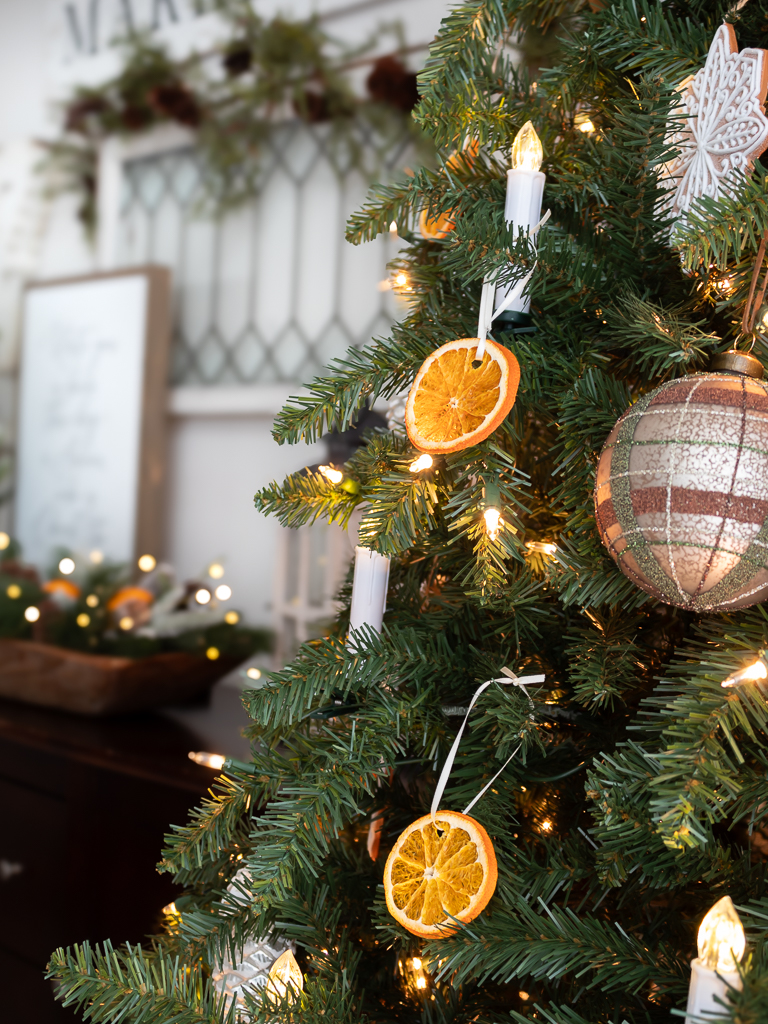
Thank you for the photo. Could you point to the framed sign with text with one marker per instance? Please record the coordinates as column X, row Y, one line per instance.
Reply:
column 92, row 415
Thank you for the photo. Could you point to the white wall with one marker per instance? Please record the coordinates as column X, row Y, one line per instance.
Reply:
column 217, row 463
column 221, row 450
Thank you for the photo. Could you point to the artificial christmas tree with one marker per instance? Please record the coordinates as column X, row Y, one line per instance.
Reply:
column 633, row 799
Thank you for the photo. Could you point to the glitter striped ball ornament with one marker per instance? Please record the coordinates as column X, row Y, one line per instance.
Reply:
column 681, row 496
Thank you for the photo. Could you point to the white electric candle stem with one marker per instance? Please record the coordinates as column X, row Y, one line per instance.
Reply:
column 525, row 191
column 369, row 590
column 721, row 944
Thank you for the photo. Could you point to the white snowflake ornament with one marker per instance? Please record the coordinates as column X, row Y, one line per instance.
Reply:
column 725, row 127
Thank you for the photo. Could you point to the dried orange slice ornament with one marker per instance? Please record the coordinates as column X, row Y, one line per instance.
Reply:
column 461, row 161
column 453, row 403
column 439, row 874
column 435, row 228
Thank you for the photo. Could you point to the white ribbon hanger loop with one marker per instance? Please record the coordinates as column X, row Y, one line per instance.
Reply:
column 508, row 679
column 487, row 313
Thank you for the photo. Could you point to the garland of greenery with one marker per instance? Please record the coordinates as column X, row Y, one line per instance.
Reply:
column 234, row 97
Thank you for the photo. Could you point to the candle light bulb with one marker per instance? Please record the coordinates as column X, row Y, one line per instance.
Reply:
column 755, row 670
column 527, row 153
column 721, row 938
column 284, row 976
column 522, row 213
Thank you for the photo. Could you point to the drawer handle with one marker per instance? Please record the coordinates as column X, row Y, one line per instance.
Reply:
column 8, row 869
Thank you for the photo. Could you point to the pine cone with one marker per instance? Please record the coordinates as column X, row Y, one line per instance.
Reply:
column 390, row 82
column 174, row 100
column 237, row 60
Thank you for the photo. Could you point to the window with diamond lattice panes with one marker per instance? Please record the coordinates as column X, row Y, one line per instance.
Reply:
column 268, row 291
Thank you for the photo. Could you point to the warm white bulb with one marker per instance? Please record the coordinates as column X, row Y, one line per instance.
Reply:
column 393, row 228
column 215, row 570
column 721, row 939
column 232, row 618
column 32, row 614
column 587, row 127
column 285, row 978
column 223, row 592
column 416, row 963
column 334, row 476
column 207, row 760
column 757, row 670
column 147, row 563
column 423, row 462
column 97, row 557
column 492, row 518
column 126, row 623
column 5, row 540
column 253, row 673
column 543, row 546
column 66, row 566
column 401, row 280
column 203, row 596
column 527, row 152
column 421, row 983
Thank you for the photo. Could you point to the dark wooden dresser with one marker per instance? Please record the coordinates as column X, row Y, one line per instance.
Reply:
column 84, row 806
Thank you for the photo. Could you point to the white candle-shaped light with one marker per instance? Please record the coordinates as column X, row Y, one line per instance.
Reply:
column 369, row 590
column 721, row 945
column 525, row 190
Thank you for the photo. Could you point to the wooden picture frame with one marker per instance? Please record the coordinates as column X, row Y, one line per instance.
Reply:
column 91, row 468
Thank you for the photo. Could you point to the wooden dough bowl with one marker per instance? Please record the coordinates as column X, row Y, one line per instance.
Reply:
column 100, row 684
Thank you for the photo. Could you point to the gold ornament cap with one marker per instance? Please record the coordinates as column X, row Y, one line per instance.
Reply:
column 738, row 362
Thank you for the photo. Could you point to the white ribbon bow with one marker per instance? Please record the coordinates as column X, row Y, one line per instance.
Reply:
column 508, row 679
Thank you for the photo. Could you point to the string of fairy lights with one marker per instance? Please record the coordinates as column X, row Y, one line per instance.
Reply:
column 63, row 586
